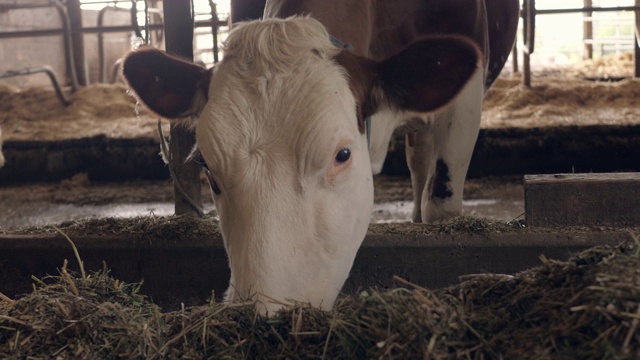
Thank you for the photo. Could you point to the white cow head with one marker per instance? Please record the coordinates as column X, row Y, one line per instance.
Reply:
column 279, row 125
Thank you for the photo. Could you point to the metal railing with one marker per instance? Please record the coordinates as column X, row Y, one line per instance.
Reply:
column 529, row 13
column 214, row 23
column 41, row 69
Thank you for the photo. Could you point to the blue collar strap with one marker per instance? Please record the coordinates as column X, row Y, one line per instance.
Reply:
column 340, row 44
column 367, row 120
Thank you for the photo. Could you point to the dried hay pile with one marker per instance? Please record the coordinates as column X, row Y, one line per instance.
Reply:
column 562, row 96
column 584, row 308
column 609, row 66
column 97, row 109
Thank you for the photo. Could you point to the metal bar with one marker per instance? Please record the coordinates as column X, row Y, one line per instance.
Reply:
column 30, row 33
column 214, row 29
column 529, row 32
column 587, row 32
column 16, row 6
column 116, row 70
column 65, row 31
column 623, row 41
column 636, row 60
column 68, row 44
column 75, row 21
column 119, row 28
column 526, row 69
column 101, row 55
column 97, row 2
column 94, row 30
column 636, row 44
column 514, row 58
column 157, row 13
column 45, row 69
column 586, row 9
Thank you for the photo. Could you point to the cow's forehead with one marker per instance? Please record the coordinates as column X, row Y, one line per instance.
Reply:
column 302, row 113
column 277, row 90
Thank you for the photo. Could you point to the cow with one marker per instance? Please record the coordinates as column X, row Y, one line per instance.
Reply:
column 296, row 118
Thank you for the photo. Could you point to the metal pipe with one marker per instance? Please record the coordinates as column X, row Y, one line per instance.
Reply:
column 157, row 13
column 16, row 6
column 30, row 33
column 636, row 44
column 134, row 19
column 101, row 55
column 514, row 58
column 529, row 13
column 113, row 2
column 77, row 37
column 214, row 29
column 94, row 30
column 587, row 31
column 586, row 9
column 68, row 44
column 528, row 28
column 45, row 69
column 66, row 31
column 116, row 70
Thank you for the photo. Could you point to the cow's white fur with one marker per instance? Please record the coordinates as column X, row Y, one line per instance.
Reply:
column 449, row 135
column 266, row 133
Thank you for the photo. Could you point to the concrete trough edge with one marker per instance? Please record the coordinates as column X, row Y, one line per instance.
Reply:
column 187, row 272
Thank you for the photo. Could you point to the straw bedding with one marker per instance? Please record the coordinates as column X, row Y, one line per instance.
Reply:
column 587, row 307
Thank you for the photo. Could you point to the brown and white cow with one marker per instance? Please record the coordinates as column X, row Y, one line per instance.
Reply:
column 280, row 123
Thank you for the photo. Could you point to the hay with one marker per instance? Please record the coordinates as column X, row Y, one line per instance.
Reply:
column 587, row 307
column 140, row 227
column 457, row 225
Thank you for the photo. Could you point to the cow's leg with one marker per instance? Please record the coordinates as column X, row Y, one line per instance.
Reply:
column 419, row 148
column 439, row 161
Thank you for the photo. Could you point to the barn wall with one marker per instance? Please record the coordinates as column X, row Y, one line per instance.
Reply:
column 21, row 53
column 116, row 44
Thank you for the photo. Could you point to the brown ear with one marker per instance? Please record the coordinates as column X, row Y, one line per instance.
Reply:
column 169, row 86
column 429, row 73
column 424, row 77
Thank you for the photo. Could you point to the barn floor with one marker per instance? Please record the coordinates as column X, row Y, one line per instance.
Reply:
column 499, row 198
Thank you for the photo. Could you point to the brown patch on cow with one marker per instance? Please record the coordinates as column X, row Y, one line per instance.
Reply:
column 439, row 183
column 361, row 76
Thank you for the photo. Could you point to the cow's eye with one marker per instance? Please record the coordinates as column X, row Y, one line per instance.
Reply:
column 343, row 155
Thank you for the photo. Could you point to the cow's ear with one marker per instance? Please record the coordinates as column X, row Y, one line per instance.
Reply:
column 424, row 77
column 429, row 73
column 169, row 86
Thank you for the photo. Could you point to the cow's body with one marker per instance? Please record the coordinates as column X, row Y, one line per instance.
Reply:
column 281, row 126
